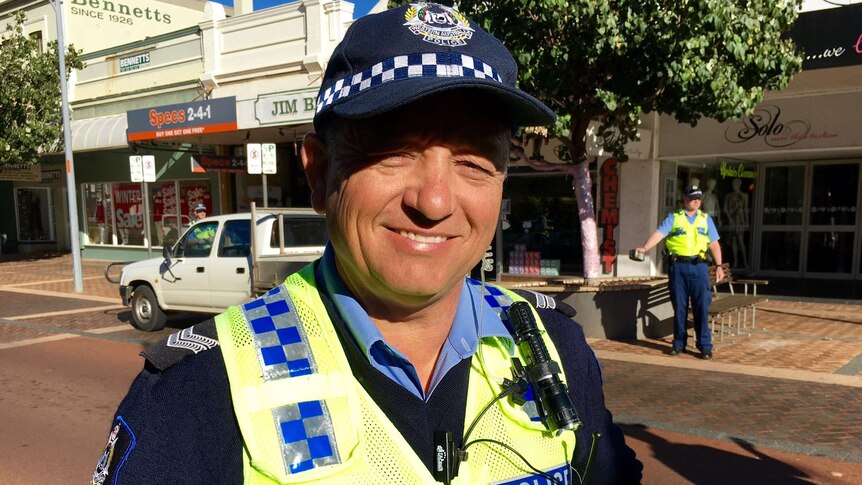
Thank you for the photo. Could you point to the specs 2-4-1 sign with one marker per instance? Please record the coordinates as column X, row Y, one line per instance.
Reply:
column 196, row 118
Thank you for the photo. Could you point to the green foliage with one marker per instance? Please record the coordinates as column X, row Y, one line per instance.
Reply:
column 611, row 61
column 30, row 95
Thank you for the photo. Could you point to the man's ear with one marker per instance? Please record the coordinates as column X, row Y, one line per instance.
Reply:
column 315, row 161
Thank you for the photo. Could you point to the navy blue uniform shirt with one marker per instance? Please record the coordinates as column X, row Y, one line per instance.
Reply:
column 177, row 425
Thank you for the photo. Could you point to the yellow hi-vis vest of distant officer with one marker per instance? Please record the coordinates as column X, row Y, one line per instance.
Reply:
column 304, row 418
column 685, row 238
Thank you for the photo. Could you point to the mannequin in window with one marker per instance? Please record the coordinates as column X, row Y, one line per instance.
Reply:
column 709, row 202
column 99, row 216
column 736, row 216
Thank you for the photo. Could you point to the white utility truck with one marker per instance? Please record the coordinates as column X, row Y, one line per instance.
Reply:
column 222, row 261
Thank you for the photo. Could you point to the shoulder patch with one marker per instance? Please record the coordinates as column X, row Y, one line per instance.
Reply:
column 121, row 442
column 179, row 345
column 544, row 302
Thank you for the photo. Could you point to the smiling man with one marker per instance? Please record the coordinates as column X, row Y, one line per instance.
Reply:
column 381, row 362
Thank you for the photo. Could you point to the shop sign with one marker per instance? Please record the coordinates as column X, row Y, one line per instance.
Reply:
column 830, row 37
column 185, row 119
column 135, row 62
column 285, row 108
column 767, row 125
column 21, row 172
column 735, row 171
column 610, row 213
column 48, row 175
column 214, row 163
column 128, row 206
column 99, row 24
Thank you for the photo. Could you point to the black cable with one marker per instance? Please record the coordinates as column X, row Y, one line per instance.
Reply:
column 513, row 387
column 595, row 442
column 504, row 445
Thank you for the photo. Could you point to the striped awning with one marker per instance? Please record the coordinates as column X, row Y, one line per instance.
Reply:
column 100, row 133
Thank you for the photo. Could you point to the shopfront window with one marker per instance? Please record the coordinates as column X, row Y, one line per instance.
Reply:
column 165, row 218
column 784, row 195
column 728, row 193
column 779, row 251
column 35, row 218
column 99, row 215
column 129, row 213
column 833, row 194
column 115, row 211
column 193, row 193
column 830, row 252
column 541, row 232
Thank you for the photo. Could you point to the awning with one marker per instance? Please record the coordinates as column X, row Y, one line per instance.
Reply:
column 99, row 133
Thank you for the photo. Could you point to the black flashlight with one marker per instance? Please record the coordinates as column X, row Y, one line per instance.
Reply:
column 552, row 396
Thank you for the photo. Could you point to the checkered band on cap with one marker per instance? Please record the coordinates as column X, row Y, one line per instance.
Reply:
column 439, row 65
column 305, row 428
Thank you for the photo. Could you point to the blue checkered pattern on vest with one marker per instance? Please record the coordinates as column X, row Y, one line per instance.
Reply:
column 307, row 435
column 429, row 64
column 500, row 302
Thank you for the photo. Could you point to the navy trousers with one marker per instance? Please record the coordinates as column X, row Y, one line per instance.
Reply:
column 686, row 280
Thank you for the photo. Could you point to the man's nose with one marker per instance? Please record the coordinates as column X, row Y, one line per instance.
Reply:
column 429, row 188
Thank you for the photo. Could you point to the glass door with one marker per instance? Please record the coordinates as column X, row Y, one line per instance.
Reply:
column 808, row 222
column 781, row 220
column 831, row 230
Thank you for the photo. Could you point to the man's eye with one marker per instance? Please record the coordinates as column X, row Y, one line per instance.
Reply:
column 476, row 168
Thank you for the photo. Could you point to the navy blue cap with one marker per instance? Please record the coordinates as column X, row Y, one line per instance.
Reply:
column 200, row 207
column 395, row 57
column 693, row 192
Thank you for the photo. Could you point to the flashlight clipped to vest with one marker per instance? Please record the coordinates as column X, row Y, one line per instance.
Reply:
column 542, row 373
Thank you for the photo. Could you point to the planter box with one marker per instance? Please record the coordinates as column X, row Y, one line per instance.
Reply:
column 618, row 309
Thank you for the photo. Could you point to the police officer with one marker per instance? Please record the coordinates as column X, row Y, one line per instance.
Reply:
column 689, row 232
column 200, row 211
column 378, row 362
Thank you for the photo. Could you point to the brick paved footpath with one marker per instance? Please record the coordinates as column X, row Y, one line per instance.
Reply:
column 791, row 415
column 794, row 383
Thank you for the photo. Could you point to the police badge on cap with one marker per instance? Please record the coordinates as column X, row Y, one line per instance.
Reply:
column 438, row 24
column 693, row 192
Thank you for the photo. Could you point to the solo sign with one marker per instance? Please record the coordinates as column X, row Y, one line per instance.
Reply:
column 186, row 119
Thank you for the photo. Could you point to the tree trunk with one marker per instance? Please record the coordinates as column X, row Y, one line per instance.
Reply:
column 582, row 186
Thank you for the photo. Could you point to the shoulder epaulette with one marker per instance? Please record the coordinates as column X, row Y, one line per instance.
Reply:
column 179, row 345
column 544, row 302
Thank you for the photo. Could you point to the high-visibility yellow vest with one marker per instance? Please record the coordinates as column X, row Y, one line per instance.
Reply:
column 685, row 238
column 304, row 418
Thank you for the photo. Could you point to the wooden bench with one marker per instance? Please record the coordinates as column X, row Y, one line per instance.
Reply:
column 723, row 308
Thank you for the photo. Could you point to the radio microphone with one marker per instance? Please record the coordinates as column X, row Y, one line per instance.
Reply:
column 552, row 396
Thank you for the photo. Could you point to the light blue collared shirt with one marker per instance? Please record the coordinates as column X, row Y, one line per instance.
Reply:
column 462, row 342
column 667, row 224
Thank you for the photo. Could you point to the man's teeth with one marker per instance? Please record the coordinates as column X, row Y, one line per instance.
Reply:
column 424, row 239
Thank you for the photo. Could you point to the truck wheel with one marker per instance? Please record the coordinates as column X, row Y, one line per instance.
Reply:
column 146, row 314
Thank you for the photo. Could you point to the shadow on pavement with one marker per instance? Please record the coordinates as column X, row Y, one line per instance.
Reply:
column 705, row 465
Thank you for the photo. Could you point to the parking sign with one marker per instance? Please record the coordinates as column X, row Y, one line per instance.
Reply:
column 252, row 152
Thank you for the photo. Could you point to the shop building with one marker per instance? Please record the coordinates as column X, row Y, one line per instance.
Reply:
column 783, row 184
column 192, row 99
column 38, row 194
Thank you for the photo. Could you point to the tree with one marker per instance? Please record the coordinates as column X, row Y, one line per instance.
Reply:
column 612, row 61
column 30, row 95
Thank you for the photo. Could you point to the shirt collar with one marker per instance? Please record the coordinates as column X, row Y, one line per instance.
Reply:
column 463, row 336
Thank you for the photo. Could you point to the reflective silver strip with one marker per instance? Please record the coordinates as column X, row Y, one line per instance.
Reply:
column 307, row 437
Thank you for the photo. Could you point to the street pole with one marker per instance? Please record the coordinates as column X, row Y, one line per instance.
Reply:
column 70, row 161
